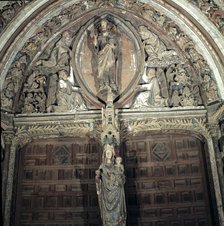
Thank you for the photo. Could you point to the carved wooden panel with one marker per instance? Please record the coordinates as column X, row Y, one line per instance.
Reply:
column 57, row 184
column 166, row 185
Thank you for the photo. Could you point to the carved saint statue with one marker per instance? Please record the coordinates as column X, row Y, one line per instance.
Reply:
column 110, row 181
column 107, row 50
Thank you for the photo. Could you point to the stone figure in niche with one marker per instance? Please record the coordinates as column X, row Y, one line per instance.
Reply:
column 180, row 87
column 60, row 55
column 13, row 80
column 35, row 98
column 175, row 99
column 187, row 97
column 106, row 43
column 51, row 92
column 149, row 94
column 110, row 181
column 180, row 80
column 210, row 89
column 17, row 71
column 7, row 96
column 156, row 51
column 197, row 96
column 68, row 97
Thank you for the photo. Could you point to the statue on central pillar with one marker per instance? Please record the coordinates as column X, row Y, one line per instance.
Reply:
column 110, row 178
column 110, row 181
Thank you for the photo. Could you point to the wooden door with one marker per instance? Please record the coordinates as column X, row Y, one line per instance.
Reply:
column 166, row 183
column 57, row 184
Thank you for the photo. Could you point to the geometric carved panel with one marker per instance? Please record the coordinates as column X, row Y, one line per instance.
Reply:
column 160, row 151
column 62, row 155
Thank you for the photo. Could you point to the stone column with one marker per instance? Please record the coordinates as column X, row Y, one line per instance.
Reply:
column 7, row 139
column 217, row 165
column 10, row 179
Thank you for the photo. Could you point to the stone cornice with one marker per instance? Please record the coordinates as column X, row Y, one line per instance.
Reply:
column 184, row 120
column 132, row 123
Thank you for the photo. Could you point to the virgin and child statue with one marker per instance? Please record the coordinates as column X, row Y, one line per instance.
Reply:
column 110, row 181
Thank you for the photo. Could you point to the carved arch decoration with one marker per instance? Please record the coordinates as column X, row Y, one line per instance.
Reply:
column 29, row 44
column 157, row 23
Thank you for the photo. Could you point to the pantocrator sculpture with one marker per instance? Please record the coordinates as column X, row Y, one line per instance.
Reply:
column 107, row 51
column 110, row 181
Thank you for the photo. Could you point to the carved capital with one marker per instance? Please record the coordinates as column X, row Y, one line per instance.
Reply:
column 8, row 136
column 215, row 117
column 214, row 129
column 6, row 121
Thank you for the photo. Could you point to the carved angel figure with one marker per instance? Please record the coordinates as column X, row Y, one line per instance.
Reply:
column 149, row 94
column 68, row 97
column 210, row 89
column 110, row 189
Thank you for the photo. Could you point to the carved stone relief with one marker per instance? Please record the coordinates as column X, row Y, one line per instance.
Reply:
column 151, row 93
column 14, row 80
column 113, row 48
column 157, row 56
column 212, row 10
column 55, row 91
column 171, row 87
column 9, row 11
